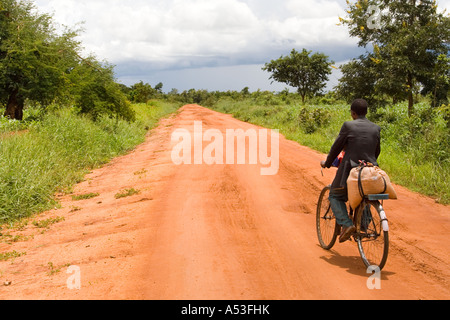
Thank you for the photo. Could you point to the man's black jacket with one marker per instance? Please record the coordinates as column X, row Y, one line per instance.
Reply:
column 361, row 141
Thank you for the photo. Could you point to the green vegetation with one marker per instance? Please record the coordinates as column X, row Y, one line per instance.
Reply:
column 52, row 269
column 41, row 65
column 127, row 193
column 5, row 256
column 56, row 150
column 308, row 74
column 45, row 224
column 407, row 52
column 85, row 196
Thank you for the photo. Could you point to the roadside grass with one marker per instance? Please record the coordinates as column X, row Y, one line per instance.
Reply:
column 45, row 224
column 5, row 256
column 85, row 196
column 127, row 193
column 58, row 149
column 52, row 269
column 415, row 151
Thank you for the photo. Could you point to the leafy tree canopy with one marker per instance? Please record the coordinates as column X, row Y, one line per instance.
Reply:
column 40, row 64
column 407, row 39
column 308, row 73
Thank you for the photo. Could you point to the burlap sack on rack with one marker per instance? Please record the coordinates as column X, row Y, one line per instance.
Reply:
column 373, row 181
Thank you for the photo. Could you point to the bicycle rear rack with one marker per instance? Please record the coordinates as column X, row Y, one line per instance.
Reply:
column 375, row 197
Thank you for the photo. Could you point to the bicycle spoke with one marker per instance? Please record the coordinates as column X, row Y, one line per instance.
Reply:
column 326, row 222
column 372, row 240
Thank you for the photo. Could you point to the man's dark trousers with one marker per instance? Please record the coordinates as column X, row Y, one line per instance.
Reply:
column 338, row 198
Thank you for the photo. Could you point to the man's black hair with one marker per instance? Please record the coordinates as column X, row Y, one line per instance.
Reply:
column 360, row 107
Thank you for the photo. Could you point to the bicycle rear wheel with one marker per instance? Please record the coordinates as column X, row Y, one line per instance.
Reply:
column 327, row 228
column 373, row 241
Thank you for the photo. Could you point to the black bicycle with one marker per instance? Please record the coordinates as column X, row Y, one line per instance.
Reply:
column 372, row 227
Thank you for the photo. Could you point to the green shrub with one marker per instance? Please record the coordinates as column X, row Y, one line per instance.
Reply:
column 312, row 120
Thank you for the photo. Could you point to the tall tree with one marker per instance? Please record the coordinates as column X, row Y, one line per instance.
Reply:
column 34, row 59
column 142, row 92
column 308, row 73
column 358, row 80
column 407, row 41
column 40, row 64
column 439, row 84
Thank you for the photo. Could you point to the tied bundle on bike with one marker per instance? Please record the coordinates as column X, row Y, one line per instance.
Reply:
column 368, row 179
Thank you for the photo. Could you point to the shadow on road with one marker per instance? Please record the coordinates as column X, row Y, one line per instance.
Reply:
column 353, row 264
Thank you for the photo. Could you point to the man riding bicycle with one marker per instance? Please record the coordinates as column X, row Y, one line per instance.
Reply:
column 360, row 139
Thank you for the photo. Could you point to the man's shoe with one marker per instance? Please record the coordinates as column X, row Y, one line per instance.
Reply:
column 346, row 233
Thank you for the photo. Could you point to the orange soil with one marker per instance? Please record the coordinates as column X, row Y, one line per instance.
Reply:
column 217, row 232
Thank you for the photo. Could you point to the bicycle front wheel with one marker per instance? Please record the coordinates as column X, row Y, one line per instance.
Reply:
column 372, row 239
column 327, row 228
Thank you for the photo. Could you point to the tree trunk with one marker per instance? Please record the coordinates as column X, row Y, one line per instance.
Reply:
column 410, row 77
column 14, row 108
column 302, row 93
column 410, row 96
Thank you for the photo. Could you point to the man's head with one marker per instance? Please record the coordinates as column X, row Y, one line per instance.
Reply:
column 359, row 108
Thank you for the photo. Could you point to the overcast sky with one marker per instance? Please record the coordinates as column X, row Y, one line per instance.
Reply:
column 205, row 44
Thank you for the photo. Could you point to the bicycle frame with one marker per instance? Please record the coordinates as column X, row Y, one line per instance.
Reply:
column 374, row 200
column 372, row 230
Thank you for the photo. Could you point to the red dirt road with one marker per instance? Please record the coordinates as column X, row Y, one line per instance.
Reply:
column 217, row 232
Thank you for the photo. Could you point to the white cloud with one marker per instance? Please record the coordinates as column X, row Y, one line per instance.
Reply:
column 443, row 5
column 315, row 9
column 182, row 32
column 145, row 37
column 311, row 32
